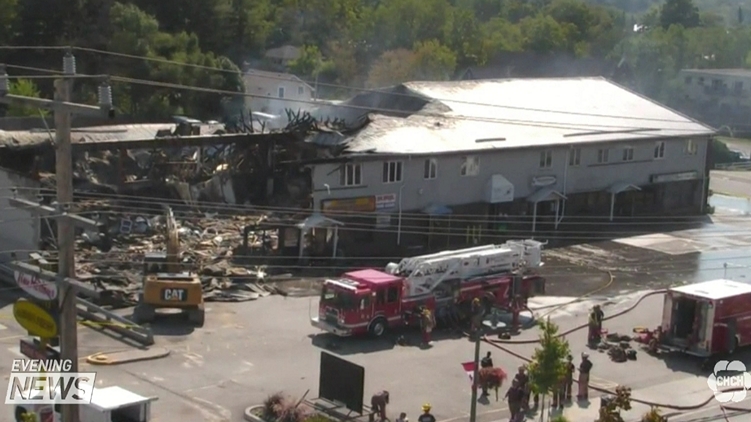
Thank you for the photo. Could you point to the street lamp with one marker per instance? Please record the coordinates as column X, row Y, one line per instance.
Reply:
column 476, row 336
column 4, row 81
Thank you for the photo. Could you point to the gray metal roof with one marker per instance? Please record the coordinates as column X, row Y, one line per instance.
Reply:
column 720, row 72
column 442, row 117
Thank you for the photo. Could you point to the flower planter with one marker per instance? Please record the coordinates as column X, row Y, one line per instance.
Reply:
column 250, row 413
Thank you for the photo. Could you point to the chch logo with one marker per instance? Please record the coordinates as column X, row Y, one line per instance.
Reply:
column 729, row 381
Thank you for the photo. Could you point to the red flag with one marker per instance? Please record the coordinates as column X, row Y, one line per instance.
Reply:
column 469, row 368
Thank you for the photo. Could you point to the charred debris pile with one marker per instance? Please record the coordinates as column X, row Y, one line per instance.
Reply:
column 216, row 189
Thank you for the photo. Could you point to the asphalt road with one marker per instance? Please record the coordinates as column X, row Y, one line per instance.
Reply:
column 250, row 350
column 735, row 183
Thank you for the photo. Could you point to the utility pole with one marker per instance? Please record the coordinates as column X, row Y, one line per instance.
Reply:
column 63, row 108
column 66, row 234
column 476, row 335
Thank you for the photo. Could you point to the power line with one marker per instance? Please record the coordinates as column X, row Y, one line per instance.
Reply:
column 140, row 199
column 516, row 122
column 215, row 69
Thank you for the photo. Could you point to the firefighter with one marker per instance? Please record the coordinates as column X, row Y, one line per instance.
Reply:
column 426, row 416
column 516, row 307
column 569, row 378
column 486, row 362
column 596, row 317
column 477, row 313
column 584, row 368
column 559, row 394
column 427, row 323
column 515, row 396
column 522, row 380
column 378, row 405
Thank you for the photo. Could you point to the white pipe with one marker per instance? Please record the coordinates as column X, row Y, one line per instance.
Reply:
column 565, row 188
column 399, row 224
column 534, row 217
column 704, row 178
column 612, row 205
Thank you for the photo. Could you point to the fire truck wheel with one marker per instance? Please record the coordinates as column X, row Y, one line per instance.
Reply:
column 378, row 327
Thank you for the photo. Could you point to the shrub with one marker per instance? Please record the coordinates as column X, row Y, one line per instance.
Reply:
column 317, row 417
column 291, row 412
column 653, row 416
column 272, row 406
column 559, row 418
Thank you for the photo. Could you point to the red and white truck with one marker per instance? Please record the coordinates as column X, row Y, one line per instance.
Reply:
column 708, row 318
column 372, row 301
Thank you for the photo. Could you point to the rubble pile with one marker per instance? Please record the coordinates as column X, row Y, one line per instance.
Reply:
column 113, row 262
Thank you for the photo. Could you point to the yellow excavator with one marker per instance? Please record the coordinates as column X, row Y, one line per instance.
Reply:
column 166, row 286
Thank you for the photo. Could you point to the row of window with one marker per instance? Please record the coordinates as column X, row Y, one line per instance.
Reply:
column 281, row 91
column 393, row 171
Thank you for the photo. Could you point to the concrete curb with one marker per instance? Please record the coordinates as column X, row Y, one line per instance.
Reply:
column 127, row 356
column 249, row 416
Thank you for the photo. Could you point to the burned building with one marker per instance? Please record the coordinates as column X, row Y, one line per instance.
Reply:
column 433, row 165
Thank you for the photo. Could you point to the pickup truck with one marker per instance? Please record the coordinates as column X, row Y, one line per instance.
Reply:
column 108, row 404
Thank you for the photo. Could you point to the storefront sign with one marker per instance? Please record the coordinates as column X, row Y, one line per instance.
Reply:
column 500, row 190
column 362, row 204
column 34, row 350
column 35, row 319
column 675, row 177
column 35, row 286
column 384, row 202
column 541, row 181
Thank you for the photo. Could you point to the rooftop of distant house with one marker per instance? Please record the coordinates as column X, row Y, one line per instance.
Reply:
column 285, row 52
column 456, row 116
column 724, row 72
column 276, row 76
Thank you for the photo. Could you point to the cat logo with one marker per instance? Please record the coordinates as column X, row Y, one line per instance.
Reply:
column 174, row 295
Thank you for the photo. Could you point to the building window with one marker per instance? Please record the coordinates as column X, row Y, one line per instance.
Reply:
column 281, row 92
column 738, row 87
column 431, row 168
column 660, row 150
column 546, row 159
column 701, row 80
column 628, row 154
column 688, row 80
column 602, row 156
column 691, row 147
column 470, row 166
column 575, row 157
column 300, row 91
column 350, row 175
column 392, row 172
column 716, row 84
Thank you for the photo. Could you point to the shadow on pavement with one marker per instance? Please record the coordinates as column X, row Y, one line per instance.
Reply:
column 365, row 344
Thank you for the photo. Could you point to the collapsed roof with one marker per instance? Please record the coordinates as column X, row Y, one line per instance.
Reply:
column 444, row 117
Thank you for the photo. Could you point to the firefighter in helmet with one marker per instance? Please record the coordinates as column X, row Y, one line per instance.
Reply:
column 477, row 313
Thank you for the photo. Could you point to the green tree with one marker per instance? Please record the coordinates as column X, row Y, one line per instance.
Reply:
column 679, row 12
column 433, row 61
column 310, row 62
column 29, row 417
column 26, row 88
column 543, row 34
column 548, row 364
column 391, row 68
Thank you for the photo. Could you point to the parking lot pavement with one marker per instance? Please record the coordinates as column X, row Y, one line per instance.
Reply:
column 248, row 351
column 734, row 183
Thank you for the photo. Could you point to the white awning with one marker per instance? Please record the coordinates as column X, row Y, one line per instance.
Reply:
column 318, row 220
column 622, row 187
column 546, row 194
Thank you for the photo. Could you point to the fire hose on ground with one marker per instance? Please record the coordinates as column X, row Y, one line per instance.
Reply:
column 499, row 345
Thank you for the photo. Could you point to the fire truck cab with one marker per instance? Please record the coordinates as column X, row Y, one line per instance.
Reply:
column 708, row 318
column 371, row 301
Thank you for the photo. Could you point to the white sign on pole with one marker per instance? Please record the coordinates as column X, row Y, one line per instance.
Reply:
column 35, row 286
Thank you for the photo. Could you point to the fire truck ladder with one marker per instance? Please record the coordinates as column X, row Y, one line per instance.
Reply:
column 407, row 265
column 473, row 262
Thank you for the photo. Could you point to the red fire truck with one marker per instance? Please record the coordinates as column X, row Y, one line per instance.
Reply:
column 372, row 301
column 708, row 318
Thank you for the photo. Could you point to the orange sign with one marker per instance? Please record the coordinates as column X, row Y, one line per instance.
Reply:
column 362, row 204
